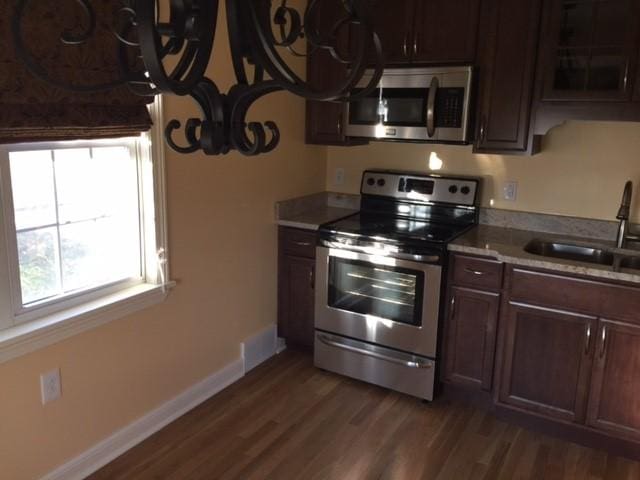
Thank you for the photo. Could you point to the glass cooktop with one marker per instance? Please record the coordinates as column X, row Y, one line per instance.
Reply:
column 394, row 229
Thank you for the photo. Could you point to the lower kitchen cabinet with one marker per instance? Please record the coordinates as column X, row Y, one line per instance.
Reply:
column 471, row 324
column 614, row 404
column 470, row 337
column 567, row 349
column 296, row 284
column 547, row 361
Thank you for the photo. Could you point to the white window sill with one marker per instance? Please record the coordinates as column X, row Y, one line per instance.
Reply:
column 28, row 337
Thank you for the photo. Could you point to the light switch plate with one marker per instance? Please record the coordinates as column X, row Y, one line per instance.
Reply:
column 50, row 386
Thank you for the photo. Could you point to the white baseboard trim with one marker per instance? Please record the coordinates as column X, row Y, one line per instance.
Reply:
column 112, row 447
column 260, row 348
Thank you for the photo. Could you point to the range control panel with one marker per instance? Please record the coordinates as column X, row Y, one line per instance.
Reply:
column 421, row 188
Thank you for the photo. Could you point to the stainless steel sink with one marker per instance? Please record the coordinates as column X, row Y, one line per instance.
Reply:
column 630, row 262
column 569, row 251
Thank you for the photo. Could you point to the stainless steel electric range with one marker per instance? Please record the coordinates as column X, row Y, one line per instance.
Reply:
column 379, row 278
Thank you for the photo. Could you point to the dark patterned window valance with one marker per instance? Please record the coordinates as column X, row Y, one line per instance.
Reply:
column 33, row 110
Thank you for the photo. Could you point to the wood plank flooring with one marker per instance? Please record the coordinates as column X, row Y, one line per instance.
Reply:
column 287, row 420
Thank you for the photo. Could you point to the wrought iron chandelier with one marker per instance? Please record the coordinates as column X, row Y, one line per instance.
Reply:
column 258, row 32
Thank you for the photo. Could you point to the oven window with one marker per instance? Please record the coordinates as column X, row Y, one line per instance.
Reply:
column 390, row 293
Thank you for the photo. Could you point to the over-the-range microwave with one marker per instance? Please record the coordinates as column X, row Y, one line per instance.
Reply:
column 414, row 104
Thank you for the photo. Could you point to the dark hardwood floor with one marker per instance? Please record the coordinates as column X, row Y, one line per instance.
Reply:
column 288, row 420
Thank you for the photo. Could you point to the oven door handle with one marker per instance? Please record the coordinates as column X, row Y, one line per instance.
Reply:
column 431, row 107
column 405, row 363
column 400, row 256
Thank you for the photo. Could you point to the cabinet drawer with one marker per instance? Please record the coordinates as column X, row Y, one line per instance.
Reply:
column 579, row 295
column 476, row 272
column 300, row 243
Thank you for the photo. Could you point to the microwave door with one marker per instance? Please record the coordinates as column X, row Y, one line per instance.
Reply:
column 393, row 113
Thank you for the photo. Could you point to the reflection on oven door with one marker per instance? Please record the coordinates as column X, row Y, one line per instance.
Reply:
column 385, row 292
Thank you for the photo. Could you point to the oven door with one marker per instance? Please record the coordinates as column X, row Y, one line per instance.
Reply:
column 378, row 299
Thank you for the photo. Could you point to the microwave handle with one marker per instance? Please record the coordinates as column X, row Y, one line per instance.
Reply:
column 431, row 107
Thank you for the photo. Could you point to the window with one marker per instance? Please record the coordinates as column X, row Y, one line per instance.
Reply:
column 83, row 220
column 76, row 217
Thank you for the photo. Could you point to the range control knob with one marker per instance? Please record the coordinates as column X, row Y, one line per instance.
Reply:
column 465, row 190
column 371, row 182
column 453, row 189
column 381, row 182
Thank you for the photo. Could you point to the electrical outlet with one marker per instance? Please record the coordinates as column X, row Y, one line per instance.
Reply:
column 50, row 386
column 339, row 177
column 510, row 191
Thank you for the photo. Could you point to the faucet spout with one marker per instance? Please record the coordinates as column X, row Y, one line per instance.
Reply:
column 625, row 205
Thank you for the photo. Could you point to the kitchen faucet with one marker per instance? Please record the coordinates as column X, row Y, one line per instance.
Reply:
column 623, row 216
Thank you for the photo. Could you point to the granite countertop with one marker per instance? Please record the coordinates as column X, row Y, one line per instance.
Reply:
column 312, row 219
column 311, row 211
column 507, row 245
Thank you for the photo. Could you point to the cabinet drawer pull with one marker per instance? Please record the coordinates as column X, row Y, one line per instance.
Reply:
column 303, row 244
column 587, row 341
column 474, row 272
column 603, row 341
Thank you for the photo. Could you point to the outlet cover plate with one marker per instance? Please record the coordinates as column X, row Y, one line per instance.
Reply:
column 339, row 177
column 50, row 387
column 510, row 191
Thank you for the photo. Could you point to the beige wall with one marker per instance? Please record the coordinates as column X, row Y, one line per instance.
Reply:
column 580, row 172
column 223, row 255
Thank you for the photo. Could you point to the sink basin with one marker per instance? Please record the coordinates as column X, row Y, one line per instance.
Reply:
column 568, row 251
column 630, row 262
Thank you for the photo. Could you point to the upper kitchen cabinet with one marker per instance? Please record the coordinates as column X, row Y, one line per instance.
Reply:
column 324, row 119
column 427, row 31
column 445, row 31
column 588, row 62
column 508, row 43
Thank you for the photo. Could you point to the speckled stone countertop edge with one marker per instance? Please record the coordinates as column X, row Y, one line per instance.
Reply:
column 507, row 245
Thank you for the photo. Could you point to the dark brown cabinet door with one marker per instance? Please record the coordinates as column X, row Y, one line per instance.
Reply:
column 470, row 337
column 445, row 31
column 614, row 404
column 547, row 361
column 590, row 49
column 506, row 58
column 297, row 277
column 324, row 119
column 393, row 22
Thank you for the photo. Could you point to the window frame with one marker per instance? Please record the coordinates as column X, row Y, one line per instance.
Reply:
column 149, row 152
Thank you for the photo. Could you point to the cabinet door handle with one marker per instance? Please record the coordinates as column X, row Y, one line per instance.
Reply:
column 483, row 129
column 625, row 81
column 587, row 340
column 478, row 273
column 415, row 44
column 603, row 341
column 312, row 276
column 453, row 307
column 404, row 45
column 303, row 244
column 339, row 124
